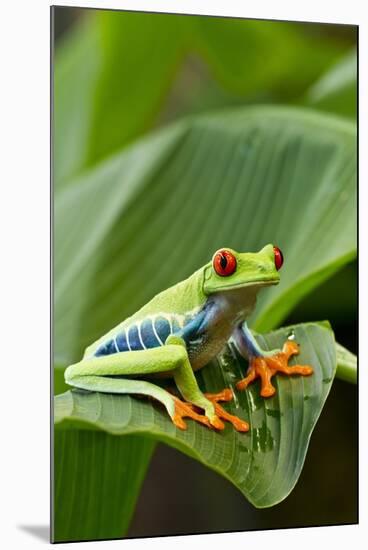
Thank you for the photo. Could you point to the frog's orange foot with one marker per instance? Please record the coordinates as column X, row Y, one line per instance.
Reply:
column 187, row 410
column 266, row 367
column 227, row 395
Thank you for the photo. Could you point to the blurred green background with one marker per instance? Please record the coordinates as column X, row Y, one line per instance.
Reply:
column 286, row 63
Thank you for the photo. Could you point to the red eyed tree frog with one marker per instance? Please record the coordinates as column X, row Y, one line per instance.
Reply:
column 181, row 329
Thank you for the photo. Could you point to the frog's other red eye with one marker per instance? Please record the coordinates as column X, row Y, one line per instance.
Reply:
column 224, row 263
column 279, row 258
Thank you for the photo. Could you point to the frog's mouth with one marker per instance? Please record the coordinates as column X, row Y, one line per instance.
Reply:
column 255, row 283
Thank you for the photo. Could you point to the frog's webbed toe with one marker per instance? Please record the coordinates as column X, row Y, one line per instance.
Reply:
column 184, row 409
column 226, row 395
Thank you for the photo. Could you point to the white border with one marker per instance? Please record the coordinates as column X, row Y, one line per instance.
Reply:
column 24, row 219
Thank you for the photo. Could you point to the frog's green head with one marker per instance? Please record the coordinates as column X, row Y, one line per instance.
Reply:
column 234, row 270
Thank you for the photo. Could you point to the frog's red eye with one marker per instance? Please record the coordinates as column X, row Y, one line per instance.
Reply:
column 279, row 258
column 224, row 263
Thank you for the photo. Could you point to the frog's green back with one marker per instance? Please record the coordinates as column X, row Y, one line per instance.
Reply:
column 181, row 298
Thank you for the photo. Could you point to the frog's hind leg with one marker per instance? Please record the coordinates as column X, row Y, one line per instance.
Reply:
column 106, row 374
column 126, row 386
column 188, row 387
column 176, row 408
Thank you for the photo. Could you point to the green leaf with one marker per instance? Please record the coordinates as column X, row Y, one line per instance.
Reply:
column 236, row 51
column 97, row 479
column 77, row 67
column 346, row 364
column 265, row 463
column 342, row 311
column 150, row 216
column 336, row 91
column 111, row 74
column 140, row 55
column 116, row 71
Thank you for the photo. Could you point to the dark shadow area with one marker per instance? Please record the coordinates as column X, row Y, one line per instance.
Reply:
column 41, row 532
column 65, row 18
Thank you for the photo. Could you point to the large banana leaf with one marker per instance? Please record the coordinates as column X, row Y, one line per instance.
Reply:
column 115, row 69
column 150, row 216
column 264, row 464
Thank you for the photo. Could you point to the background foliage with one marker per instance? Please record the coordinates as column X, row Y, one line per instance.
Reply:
column 120, row 76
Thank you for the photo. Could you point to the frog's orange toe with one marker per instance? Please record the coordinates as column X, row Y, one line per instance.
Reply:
column 187, row 410
column 266, row 367
column 217, row 423
column 290, row 348
column 268, row 391
column 227, row 395
column 224, row 395
column 179, row 422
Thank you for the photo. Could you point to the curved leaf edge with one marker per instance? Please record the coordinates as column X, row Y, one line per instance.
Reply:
column 302, row 288
column 184, row 124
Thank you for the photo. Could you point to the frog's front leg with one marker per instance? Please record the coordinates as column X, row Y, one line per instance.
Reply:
column 265, row 364
column 186, row 382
